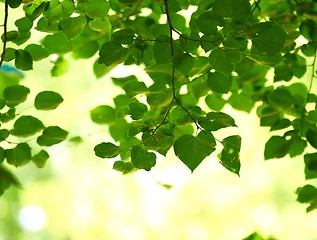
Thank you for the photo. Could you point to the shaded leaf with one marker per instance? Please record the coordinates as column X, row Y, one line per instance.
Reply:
column 112, row 53
column 23, row 60
column 276, row 147
column 124, row 167
column 216, row 120
column 230, row 155
column 19, row 155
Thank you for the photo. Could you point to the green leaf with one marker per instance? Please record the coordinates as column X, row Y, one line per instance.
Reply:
column 101, row 25
column 37, row 52
column 40, row 158
column 280, row 97
column 19, row 155
column 72, row 26
column 276, row 147
column 106, row 150
column 267, row 37
column 58, row 10
column 23, row 60
column 307, row 194
column 137, row 110
column 63, row 46
column 296, row 147
column 103, row 114
column 207, row 22
column 4, row 134
column 2, row 155
column 159, row 141
column 24, row 24
column 47, row 100
column 193, row 150
column 215, row 101
column 15, row 95
column 311, row 161
column 221, row 61
column 133, row 88
column 184, row 63
column 123, row 36
column 14, row 3
column 216, row 120
column 52, row 135
column 94, row 8
column 124, row 167
column 312, row 137
column 219, row 82
column 26, row 126
column 6, row 179
column 61, row 66
column 230, row 155
column 142, row 159
column 112, row 53
column 237, row 10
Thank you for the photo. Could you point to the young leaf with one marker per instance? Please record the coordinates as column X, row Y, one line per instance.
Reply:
column 26, row 126
column 94, row 8
column 230, row 155
column 24, row 24
column 106, row 150
column 63, row 46
column 103, row 114
column 216, row 120
column 61, row 66
column 52, row 135
column 142, row 159
column 193, row 150
column 47, row 100
column 59, row 9
column 37, row 52
column 15, row 94
column 19, row 155
column 40, row 158
column 124, row 167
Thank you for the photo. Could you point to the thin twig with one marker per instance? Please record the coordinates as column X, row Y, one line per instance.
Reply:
column 255, row 7
column 6, row 10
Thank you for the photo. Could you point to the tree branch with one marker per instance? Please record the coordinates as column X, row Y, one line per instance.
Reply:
column 5, row 22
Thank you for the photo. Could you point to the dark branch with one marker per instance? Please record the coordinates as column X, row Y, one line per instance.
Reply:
column 5, row 22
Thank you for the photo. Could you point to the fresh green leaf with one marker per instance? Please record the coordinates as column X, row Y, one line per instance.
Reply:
column 276, row 147
column 193, row 150
column 52, row 135
column 14, row 95
column 94, row 8
column 216, row 120
column 112, row 53
column 23, row 60
column 19, row 155
column 230, row 155
column 63, row 46
column 124, row 167
column 26, row 126
column 219, row 82
column 47, row 100
column 103, row 114
column 37, row 52
column 40, row 158
column 106, row 150
column 142, row 159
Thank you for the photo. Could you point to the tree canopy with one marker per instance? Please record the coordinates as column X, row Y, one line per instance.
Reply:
column 200, row 56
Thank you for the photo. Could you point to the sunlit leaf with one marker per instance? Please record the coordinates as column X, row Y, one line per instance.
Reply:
column 230, row 155
column 216, row 120
column 40, row 158
column 103, row 114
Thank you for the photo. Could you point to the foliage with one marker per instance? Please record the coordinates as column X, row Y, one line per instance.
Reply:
column 200, row 56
